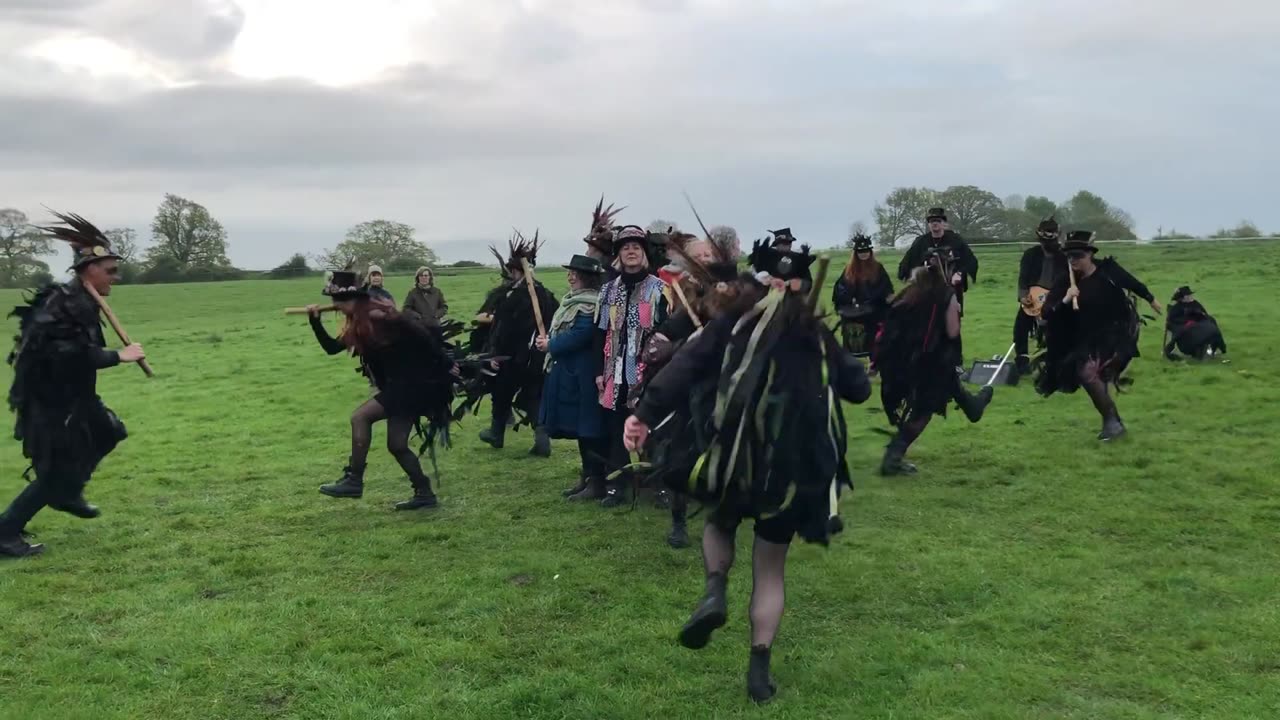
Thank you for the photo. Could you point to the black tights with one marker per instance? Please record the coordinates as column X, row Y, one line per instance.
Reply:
column 1091, row 380
column 398, row 429
column 768, row 578
column 911, row 429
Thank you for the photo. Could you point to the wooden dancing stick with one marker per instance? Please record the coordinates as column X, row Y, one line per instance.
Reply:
column 697, row 322
column 1071, row 275
column 303, row 311
column 818, row 281
column 115, row 324
column 533, row 295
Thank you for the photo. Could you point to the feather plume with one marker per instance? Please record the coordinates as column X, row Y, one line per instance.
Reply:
column 87, row 242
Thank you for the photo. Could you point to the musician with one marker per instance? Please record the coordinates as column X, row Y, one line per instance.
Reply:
column 1040, row 268
column 1090, row 345
column 918, row 355
column 861, row 294
column 964, row 262
column 64, row 428
column 1192, row 330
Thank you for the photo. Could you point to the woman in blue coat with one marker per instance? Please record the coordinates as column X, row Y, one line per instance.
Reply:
column 570, row 402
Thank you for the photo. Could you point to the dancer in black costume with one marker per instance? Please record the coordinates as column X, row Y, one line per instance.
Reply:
column 776, row 450
column 963, row 263
column 64, row 428
column 519, row 375
column 1192, row 330
column 1091, row 346
column 408, row 363
column 919, row 358
column 861, row 296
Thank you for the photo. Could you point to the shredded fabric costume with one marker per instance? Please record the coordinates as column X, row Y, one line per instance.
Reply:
column 1100, row 338
column 631, row 307
column 1192, row 330
column 917, row 360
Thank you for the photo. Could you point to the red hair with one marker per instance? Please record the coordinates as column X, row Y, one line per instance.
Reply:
column 362, row 331
column 859, row 271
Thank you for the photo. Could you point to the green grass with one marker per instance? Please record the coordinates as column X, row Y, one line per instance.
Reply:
column 1027, row 572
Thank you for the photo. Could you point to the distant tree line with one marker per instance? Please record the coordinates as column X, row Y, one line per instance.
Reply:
column 189, row 245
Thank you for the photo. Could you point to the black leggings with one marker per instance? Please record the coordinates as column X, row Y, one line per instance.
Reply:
column 1023, row 326
column 398, row 429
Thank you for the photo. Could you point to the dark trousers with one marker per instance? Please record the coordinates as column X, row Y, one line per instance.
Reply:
column 1023, row 326
column 595, row 457
column 61, row 483
column 615, row 421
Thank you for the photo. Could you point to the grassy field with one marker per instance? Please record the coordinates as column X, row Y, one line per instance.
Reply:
column 1027, row 572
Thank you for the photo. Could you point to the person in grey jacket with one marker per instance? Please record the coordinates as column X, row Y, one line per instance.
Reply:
column 425, row 298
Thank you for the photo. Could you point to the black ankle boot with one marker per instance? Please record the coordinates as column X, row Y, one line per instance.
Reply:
column 582, row 485
column 78, row 507
column 615, row 494
column 894, row 462
column 496, row 434
column 350, row 485
column 423, row 497
column 974, row 405
column 17, row 546
column 1022, row 365
column 760, row 684
column 678, row 538
column 541, row 443
column 594, row 489
column 1112, row 428
column 712, row 613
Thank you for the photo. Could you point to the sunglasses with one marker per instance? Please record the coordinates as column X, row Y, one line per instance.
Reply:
column 1077, row 255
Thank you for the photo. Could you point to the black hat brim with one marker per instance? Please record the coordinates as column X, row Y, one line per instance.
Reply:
column 91, row 259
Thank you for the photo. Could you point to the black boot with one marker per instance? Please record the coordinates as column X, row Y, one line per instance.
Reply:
column 615, row 494
column 496, row 434
column 422, row 498
column 894, row 462
column 973, row 405
column 17, row 546
column 1023, row 365
column 593, row 490
column 1112, row 428
column 350, row 485
column 760, row 684
column 711, row 614
column 582, row 485
column 541, row 443
column 678, row 538
column 78, row 507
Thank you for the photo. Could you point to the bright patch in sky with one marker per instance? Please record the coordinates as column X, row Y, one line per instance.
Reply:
column 332, row 43
column 100, row 58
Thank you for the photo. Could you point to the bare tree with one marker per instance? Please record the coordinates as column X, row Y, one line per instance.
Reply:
column 20, row 248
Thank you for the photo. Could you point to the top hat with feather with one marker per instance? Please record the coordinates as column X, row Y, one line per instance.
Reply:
column 781, row 264
column 346, row 283
column 88, row 244
column 1080, row 242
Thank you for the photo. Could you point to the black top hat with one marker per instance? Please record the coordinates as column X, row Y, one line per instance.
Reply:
column 1048, row 228
column 936, row 214
column 1182, row 292
column 782, row 264
column 1079, row 241
column 861, row 242
column 88, row 243
column 630, row 234
column 345, row 285
column 782, row 236
column 584, row 264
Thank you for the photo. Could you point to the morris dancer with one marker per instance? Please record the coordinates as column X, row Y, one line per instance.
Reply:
column 918, row 356
column 1090, row 345
column 519, row 378
column 777, row 449
column 64, row 428
column 414, row 375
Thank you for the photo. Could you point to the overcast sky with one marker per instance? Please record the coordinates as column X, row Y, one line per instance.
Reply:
column 292, row 120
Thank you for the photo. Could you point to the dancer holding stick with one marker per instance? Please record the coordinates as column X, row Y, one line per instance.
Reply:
column 64, row 428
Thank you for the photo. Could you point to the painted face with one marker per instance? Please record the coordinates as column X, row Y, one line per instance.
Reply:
column 1080, row 260
column 937, row 227
column 101, row 275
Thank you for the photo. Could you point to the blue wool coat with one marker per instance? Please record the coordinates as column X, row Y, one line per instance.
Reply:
column 570, row 403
